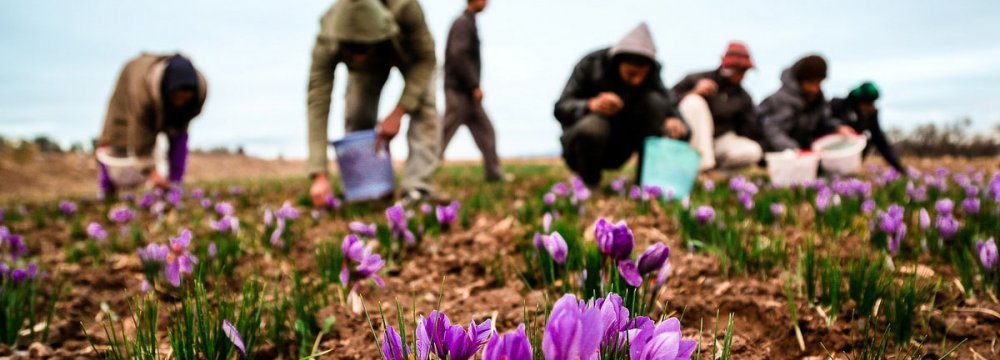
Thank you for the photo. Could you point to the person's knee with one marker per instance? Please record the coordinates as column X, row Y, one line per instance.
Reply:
column 591, row 130
column 746, row 152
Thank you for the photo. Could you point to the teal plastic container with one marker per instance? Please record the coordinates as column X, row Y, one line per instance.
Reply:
column 670, row 164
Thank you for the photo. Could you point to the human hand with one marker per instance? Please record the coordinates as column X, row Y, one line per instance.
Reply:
column 158, row 181
column 478, row 94
column 674, row 128
column 606, row 104
column 389, row 128
column 320, row 190
column 705, row 87
column 846, row 131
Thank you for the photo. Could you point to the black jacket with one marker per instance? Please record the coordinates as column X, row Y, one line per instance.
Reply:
column 790, row 121
column 597, row 73
column 848, row 113
column 732, row 107
column 462, row 62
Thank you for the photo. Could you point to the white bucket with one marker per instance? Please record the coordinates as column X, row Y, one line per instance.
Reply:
column 839, row 154
column 124, row 172
column 791, row 167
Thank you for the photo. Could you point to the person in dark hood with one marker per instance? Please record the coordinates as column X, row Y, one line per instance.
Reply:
column 858, row 111
column 722, row 115
column 155, row 94
column 614, row 99
column 797, row 114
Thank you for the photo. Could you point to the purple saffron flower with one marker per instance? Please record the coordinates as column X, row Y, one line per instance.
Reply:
column 746, row 199
column 398, row 223
column 235, row 190
column 276, row 235
column 67, row 207
column 198, row 194
column 369, row 268
column 360, row 228
column 661, row 277
column 426, row 208
column 987, row 253
column 618, row 185
column 224, row 208
column 227, row 223
column 446, row 215
column 891, row 221
column 896, row 239
column 947, row 226
column 569, row 333
column 147, row 200
column 509, row 346
column 121, row 214
column 971, row 206
column 704, row 214
column 777, row 209
column 332, row 202
column 635, row 193
column 615, row 240
column 353, row 248
column 944, row 206
column 653, row 258
column 556, row 246
column 19, row 275
column 546, row 222
column 437, row 335
column 924, row 219
column 96, row 232
column 662, row 342
column 708, row 185
column 653, row 191
column 868, row 206
column 179, row 260
column 234, row 336
column 629, row 272
column 206, row 204
column 175, row 196
column 268, row 217
column 153, row 253
column 287, row 212
column 212, row 250
column 614, row 317
column 549, row 198
column 823, row 199
column 12, row 243
column 393, row 347
column 560, row 189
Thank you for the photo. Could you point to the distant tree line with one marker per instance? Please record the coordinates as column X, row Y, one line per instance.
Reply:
column 949, row 139
column 44, row 145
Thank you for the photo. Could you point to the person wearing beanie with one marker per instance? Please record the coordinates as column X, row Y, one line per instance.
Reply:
column 155, row 94
column 722, row 115
column 797, row 114
column 463, row 96
column 858, row 111
column 614, row 99
column 370, row 37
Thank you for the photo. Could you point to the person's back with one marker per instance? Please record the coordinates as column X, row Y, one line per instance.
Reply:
column 858, row 111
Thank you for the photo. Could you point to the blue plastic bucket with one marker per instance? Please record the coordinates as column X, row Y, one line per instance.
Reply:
column 366, row 175
column 670, row 164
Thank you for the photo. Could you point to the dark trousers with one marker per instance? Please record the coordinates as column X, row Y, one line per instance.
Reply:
column 595, row 143
column 462, row 109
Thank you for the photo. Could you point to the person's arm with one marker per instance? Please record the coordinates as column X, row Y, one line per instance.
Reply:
column 829, row 122
column 777, row 121
column 321, row 74
column 684, row 86
column 884, row 147
column 750, row 127
column 457, row 52
column 420, row 49
column 572, row 104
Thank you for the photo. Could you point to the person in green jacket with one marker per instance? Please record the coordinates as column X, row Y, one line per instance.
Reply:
column 858, row 111
column 371, row 37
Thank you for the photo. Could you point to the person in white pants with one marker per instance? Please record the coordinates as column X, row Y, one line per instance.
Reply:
column 721, row 114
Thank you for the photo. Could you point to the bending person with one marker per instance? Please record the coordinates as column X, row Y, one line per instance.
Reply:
column 371, row 37
column 155, row 94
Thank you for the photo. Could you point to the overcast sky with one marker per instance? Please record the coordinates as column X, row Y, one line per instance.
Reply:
column 934, row 60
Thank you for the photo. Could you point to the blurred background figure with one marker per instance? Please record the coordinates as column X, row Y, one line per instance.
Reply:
column 722, row 115
column 614, row 99
column 371, row 37
column 858, row 111
column 463, row 96
column 797, row 114
column 154, row 95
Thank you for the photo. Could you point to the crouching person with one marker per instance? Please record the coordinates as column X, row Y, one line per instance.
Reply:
column 858, row 111
column 155, row 94
column 614, row 99
column 721, row 113
column 798, row 114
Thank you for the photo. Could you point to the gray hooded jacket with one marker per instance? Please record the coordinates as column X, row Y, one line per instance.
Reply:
column 790, row 121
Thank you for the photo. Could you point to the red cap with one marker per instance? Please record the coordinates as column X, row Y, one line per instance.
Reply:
column 737, row 56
